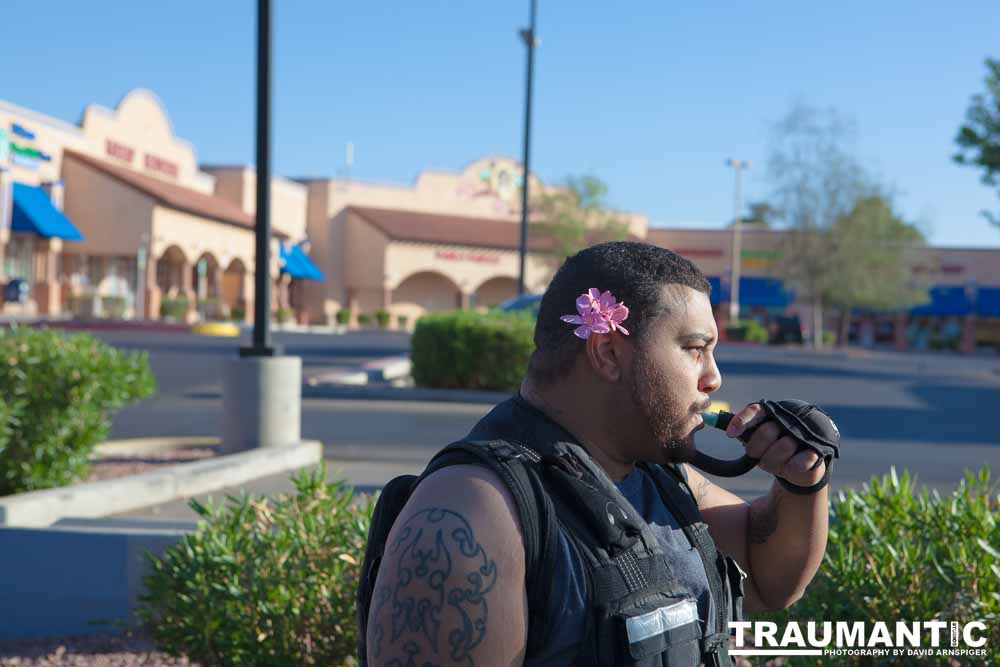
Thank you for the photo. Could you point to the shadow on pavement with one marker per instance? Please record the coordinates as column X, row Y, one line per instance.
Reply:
column 953, row 414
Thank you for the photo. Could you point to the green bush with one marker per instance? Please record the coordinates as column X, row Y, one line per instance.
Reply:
column 402, row 321
column 237, row 313
column 263, row 581
column 283, row 315
column 364, row 320
column 382, row 318
column 894, row 554
column 57, row 394
column 469, row 350
column 750, row 331
column 343, row 316
column 113, row 307
column 174, row 308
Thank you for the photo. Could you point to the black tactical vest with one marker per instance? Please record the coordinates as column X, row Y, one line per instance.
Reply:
column 640, row 613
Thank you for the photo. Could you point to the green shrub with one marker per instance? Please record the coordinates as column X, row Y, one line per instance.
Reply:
column 283, row 315
column 174, row 308
column 57, row 394
column 382, row 318
column 364, row 319
column 402, row 321
column 894, row 554
column 113, row 307
column 469, row 350
column 343, row 316
column 237, row 313
column 263, row 581
column 750, row 331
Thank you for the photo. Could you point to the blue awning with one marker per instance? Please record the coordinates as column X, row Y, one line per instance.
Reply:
column 297, row 264
column 764, row 292
column 945, row 300
column 34, row 212
column 716, row 296
column 988, row 302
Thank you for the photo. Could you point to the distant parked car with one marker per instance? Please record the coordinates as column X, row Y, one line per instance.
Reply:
column 785, row 329
column 524, row 303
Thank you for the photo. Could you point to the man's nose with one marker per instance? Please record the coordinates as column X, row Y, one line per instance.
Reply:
column 711, row 379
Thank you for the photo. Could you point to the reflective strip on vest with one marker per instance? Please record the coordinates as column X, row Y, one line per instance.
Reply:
column 660, row 620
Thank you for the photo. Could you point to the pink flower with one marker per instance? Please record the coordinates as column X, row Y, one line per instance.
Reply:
column 598, row 313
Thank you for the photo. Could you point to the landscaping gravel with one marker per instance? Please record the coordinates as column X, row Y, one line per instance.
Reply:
column 120, row 465
column 90, row 651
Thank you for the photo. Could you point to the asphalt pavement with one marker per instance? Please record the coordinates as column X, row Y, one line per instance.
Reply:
column 935, row 415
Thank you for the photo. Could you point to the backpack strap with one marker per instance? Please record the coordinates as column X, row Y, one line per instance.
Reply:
column 517, row 465
column 681, row 502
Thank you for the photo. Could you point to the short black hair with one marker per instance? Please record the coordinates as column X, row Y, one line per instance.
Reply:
column 634, row 272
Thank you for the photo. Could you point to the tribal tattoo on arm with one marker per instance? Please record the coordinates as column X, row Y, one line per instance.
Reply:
column 432, row 608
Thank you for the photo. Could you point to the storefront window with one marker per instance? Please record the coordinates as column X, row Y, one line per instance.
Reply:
column 18, row 257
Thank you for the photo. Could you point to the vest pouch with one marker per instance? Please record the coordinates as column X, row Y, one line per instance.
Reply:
column 652, row 628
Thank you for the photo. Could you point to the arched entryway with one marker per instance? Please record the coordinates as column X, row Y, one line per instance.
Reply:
column 494, row 291
column 170, row 271
column 235, row 285
column 206, row 281
column 420, row 293
column 173, row 283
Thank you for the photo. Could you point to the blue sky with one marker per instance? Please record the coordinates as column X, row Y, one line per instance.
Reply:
column 650, row 96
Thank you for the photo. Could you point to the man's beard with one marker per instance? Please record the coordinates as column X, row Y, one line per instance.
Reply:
column 665, row 416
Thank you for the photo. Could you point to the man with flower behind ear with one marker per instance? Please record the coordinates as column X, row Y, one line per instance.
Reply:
column 568, row 527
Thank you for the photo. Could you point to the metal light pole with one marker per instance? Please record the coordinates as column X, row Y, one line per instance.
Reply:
column 734, row 288
column 262, row 391
column 528, row 37
column 262, row 274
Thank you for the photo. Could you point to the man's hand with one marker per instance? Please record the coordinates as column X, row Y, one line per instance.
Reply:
column 776, row 452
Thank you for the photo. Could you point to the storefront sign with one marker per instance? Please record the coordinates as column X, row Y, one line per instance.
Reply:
column 154, row 163
column 698, row 252
column 461, row 256
column 120, row 151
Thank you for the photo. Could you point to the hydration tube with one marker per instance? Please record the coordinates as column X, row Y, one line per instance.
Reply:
column 720, row 467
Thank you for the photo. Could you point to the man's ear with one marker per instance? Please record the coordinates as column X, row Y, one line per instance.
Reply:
column 605, row 355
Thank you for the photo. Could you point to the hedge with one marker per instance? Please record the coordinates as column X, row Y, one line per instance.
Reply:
column 468, row 350
column 57, row 396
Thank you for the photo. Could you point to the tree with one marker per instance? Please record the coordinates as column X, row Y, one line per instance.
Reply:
column 575, row 216
column 816, row 181
column 873, row 253
column 761, row 214
column 979, row 137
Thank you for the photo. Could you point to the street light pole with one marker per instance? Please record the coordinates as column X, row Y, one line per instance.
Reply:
column 262, row 273
column 262, row 389
column 528, row 36
column 734, row 287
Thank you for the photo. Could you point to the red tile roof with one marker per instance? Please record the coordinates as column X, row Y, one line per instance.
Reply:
column 451, row 229
column 174, row 196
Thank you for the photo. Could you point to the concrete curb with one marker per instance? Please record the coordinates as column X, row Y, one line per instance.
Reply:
column 77, row 578
column 112, row 496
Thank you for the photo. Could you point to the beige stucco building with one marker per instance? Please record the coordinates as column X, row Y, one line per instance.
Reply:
column 115, row 217
column 452, row 239
column 161, row 235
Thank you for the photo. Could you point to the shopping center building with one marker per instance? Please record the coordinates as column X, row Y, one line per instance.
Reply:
column 115, row 217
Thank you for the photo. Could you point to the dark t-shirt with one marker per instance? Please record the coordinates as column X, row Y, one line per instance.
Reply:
column 568, row 604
